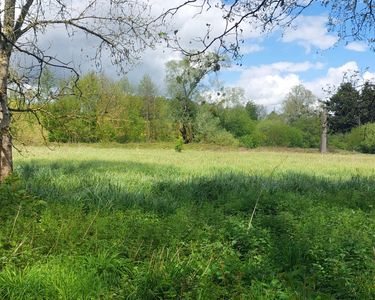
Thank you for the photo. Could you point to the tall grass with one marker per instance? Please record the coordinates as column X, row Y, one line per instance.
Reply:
column 111, row 223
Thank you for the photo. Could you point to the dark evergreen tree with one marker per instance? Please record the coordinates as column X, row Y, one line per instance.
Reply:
column 367, row 105
column 344, row 109
column 252, row 110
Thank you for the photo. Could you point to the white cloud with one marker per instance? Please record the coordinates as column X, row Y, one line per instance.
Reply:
column 269, row 84
column 335, row 76
column 309, row 32
column 252, row 48
column 368, row 76
column 357, row 46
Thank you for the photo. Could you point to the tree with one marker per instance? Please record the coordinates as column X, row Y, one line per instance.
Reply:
column 367, row 105
column 344, row 109
column 253, row 110
column 323, row 138
column 121, row 28
column 237, row 121
column 147, row 90
column 184, row 80
column 298, row 103
column 232, row 96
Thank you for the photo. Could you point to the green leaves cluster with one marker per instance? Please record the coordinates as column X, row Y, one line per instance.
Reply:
column 102, row 110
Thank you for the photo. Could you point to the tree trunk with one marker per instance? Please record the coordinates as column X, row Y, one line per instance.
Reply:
column 6, row 159
column 323, row 139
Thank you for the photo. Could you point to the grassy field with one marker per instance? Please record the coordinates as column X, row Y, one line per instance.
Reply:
column 90, row 222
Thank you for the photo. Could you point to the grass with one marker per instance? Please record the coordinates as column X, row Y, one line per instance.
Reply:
column 92, row 222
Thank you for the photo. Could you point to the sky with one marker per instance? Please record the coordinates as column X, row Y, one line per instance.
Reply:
column 271, row 65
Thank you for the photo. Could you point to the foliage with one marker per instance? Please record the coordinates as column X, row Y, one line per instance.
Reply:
column 367, row 105
column 310, row 127
column 237, row 121
column 107, row 111
column 343, row 108
column 103, row 110
column 276, row 133
column 179, row 144
column 208, row 129
column 298, row 104
column 255, row 111
column 148, row 91
column 362, row 138
column 184, row 81
column 248, row 141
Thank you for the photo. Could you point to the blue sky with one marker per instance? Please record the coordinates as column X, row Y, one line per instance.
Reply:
column 272, row 63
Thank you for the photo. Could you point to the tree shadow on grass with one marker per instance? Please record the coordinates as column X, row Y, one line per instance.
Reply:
column 311, row 233
column 163, row 188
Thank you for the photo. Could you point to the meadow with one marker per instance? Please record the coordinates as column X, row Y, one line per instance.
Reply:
column 95, row 222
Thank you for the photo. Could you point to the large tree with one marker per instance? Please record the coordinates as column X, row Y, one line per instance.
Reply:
column 120, row 29
column 184, row 79
column 344, row 109
column 299, row 103
column 367, row 105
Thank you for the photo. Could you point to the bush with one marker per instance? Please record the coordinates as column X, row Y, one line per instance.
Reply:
column 338, row 141
column 208, row 129
column 249, row 141
column 237, row 121
column 277, row 133
column 362, row 138
column 179, row 144
column 224, row 138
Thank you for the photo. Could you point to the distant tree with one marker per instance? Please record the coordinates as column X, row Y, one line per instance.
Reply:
column 237, row 121
column 255, row 111
column 232, row 96
column 273, row 115
column 148, row 90
column 298, row 103
column 343, row 108
column 126, row 86
column 252, row 110
column 208, row 129
column 367, row 103
column 274, row 132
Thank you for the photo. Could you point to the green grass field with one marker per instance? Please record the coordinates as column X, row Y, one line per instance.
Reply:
column 91, row 222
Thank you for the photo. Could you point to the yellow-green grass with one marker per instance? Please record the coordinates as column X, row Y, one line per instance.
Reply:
column 204, row 162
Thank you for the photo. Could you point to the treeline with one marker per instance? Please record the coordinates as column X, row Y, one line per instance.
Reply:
column 99, row 109
column 103, row 110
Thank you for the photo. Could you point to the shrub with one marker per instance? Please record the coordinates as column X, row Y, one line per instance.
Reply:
column 276, row 133
column 179, row 144
column 224, row 138
column 338, row 141
column 362, row 138
column 237, row 121
column 249, row 141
